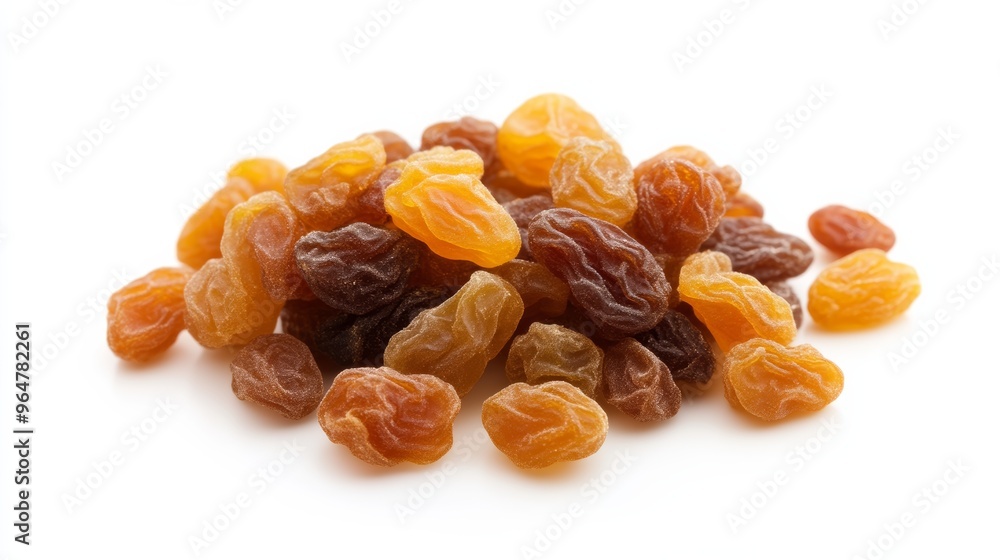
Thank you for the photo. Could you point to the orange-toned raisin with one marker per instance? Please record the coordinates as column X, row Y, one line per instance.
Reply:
column 679, row 206
column 221, row 311
column 594, row 177
column 861, row 290
column 844, row 230
column 555, row 353
column 202, row 232
column 264, row 174
column 742, row 205
column 277, row 371
column 147, row 314
column 729, row 178
column 396, row 147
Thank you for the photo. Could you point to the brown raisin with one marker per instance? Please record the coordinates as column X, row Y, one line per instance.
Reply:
column 467, row 133
column 787, row 293
column 757, row 249
column 679, row 206
column 523, row 210
column 636, row 382
column 543, row 294
column 277, row 371
column 396, row 147
column 681, row 346
column 844, row 230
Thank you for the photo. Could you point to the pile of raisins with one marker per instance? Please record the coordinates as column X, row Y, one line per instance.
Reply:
column 406, row 272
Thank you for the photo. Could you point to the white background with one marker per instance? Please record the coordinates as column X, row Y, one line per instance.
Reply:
column 67, row 237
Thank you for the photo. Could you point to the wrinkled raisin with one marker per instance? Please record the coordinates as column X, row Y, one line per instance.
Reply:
column 146, row 315
column 303, row 319
column 742, row 205
column 277, row 371
column 679, row 206
column 771, row 382
column 727, row 176
column 638, row 383
column 787, row 293
column 264, row 174
column 845, row 230
column 543, row 294
column 554, row 353
column 467, row 133
column 681, row 346
column 371, row 203
column 539, row 425
column 757, row 249
column 202, row 232
column 523, row 210
column 610, row 275
column 456, row 339
column 435, row 270
column 594, row 177
column 861, row 290
column 357, row 268
column 384, row 417
column 221, row 311
column 395, row 146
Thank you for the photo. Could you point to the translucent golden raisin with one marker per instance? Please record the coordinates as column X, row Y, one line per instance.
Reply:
column 220, row 311
column 555, row 353
column 384, row 417
column 147, row 314
column 594, row 177
column 735, row 307
column 264, row 174
column 861, row 290
column 202, row 232
column 532, row 136
column 771, row 382
column 439, row 200
column 538, row 425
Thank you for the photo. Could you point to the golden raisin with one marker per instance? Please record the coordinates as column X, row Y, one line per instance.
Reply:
column 555, row 353
column 220, row 311
column 538, row 425
column 202, row 232
column 742, row 205
column 844, row 230
column 594, row 177
column 771, row 382
column 384, row 417
column 147, row 314
column 264, row 174
column 861, row 290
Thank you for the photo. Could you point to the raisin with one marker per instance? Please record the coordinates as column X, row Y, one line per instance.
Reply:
column 543, row 294
column 303, row 319
column 844, row 230
column 554, row 353
column 532, row 136
column 467, row 133
column 146, row 315
column 277, row 371
column 757, row 249
column 671, row 266
column 456, row 339
column 439, row 200
column 435, row 270
column 861, row 290
column 594, row 177
column 787, row 293
column 679, row 206
column 734, row 307
column 772, row 382
column 742, row 205
column 610, row 275
column 681, row 346
column 222, row 311
column 539, row 425
column 325, row 191
column 371, row 203
column 202, row 232
column 523, row 210
column 637, row 383
column 357, row 268
column 727, row 176
column 263, row 174
column 361, row 340
column 505, row 186
column 384, row 417
column 395, row 146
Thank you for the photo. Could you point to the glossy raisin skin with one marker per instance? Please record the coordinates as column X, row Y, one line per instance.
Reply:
column 554, row 353
column 679, row 344
column 357, row 268
column 638, row 383
column 539, row 425
column 862, row 290
column 679, row 206
column 455, row 340
column 844, row 230
column 278, row 371
column 523, row 210
column 757, row 249
column 146, row 315
column 611, row 276
column 771, row 381
column 787, row 293
column 220, row 310
column 594, row 177
column 384, row 417
column 467, row 133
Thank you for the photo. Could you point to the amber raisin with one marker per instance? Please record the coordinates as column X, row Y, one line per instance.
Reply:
column 264, row 174
column 845, row 230
column 742, row 205
column 555, row 353
column 757, row 249
column 146, row 315
column 679, row 207
column 771, row 382
column 277, row 371
column 638, row 383
column 681, row 346
column 594, row 177
column 728, row 177
column 861, row 290
column 384, row 417
column 543, row 294
column 221, row 311
column 202, row 232
column 396, row 147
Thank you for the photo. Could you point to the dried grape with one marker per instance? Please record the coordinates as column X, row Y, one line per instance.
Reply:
column 277, row 371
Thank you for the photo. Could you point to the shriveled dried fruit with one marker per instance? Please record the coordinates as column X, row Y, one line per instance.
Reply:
column 202, row 232
column 146, row 315
column 384, row 417
column 439, row 200
column 531, row 137
column 787, row 293
column 861, row 290
column 264, row 174
column 681, row 346
column 757, row 249
column 555, row 353
column 671, row 266
column 636, row 382
column 396, row 147
column 735, row 307
column 611, row 276
column 467, row 133
column 325, row 191
column 371, row 203
column 679, row 206
column 455, row 340
column 277, row 371
column 221, row 311
column 742, row 205
column 844, row 230
column 543, row 294
column 539, row 425
column 357, row 268
column 729, row 178
column 594, row 177
column 435, row 270
column 771, row 382
column 523, row 210
column 303, row 319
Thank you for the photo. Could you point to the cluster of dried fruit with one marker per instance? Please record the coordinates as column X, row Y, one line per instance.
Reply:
column 409, row 271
